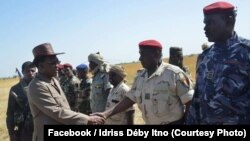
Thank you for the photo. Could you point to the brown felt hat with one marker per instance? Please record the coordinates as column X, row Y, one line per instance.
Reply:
column 44, row 49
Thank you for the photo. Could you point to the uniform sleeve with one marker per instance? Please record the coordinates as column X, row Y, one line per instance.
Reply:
column 124, row 92
column 184, row 87
column 107, row 84
column 131, row 93
column 41, row 97
column 10, row 113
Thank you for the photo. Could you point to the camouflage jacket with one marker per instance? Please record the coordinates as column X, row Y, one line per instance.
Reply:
column 71, row 90
column 83, row 100
column 18, row 111
column 222, row 93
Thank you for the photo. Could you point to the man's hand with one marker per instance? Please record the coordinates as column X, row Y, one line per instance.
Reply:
column 100, row 114
column 96, row 120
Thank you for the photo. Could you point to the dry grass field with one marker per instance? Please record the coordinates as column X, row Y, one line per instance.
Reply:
column 131, row 69
column 4, row 92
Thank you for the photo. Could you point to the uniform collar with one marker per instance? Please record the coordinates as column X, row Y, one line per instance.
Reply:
column 157, row 72
column 227, row 43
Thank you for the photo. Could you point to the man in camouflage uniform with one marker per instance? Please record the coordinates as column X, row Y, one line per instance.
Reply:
column 117, row 77
column 161, row 90
column 83, row 100
column 61, row 75
column 71, row 86
column 100, row 85
column 19, row 119
column 176, row 58
column 222, row 93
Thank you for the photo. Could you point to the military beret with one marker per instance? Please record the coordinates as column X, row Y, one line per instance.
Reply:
column 59, row 66
column 82, row 67
column 150, row 43
column 67, row 65
column 175, row 50
column 218, row 7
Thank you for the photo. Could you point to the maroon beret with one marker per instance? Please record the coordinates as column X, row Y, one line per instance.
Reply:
column 59, row 66
column 66, row 65
column 218, row 7
column 150, row 43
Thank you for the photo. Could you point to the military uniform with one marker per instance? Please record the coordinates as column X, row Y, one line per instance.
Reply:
column 176, row 58
column 222, row 94
column 161, row 97
column 19, row 119
column 71, row 89
column 83, row 99
column 116, row 95
column 98, row 98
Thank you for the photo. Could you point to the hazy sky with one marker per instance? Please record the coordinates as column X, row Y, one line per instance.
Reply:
column 112, row 27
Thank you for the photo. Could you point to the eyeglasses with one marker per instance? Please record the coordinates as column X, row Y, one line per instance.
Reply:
column 54, row 62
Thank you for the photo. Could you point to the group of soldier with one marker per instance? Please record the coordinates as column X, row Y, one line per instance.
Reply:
column 164, row 92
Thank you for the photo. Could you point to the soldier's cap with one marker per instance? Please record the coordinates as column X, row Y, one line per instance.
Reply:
column 82, row 67
column 44, row 49
column 218, row 8
column 150, row 43
column 59, row 66
column 96, row 58
column 175, row 50
column 66, row 65
column 119, row 70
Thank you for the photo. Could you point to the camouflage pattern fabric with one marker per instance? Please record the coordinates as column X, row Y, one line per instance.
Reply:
column 98, row 98
column 83, row 100
column 71, row 89
column 222, row 93
column 19, row 119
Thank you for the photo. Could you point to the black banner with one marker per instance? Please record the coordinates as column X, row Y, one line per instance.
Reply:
column 78, row 132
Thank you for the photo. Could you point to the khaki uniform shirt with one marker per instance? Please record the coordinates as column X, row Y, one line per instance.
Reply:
column 49, row 105
column 98, row 98
column 116, row 95
column 161, row 97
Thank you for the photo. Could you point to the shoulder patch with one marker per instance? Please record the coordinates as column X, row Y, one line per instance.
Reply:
column 183, row 79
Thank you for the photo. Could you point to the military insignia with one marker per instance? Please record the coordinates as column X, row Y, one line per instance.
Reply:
column 234, row 62
column 98, row 86
column 147, row 96
column 210, row 75
column 184, row 80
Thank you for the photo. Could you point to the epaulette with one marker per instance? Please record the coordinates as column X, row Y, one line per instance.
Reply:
column 173, row 68
column 244, row 42
column 140, row 71
column 207, row 49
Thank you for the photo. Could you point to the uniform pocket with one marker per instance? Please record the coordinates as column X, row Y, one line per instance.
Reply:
column 98, row 87
column 160, row 104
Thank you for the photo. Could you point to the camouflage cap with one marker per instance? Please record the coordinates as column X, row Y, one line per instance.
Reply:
column 175, row 50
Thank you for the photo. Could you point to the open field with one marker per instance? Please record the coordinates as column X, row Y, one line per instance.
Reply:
column 131, row 69
column 4, row 91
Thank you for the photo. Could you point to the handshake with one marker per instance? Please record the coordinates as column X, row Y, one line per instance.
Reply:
column 97, row 118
